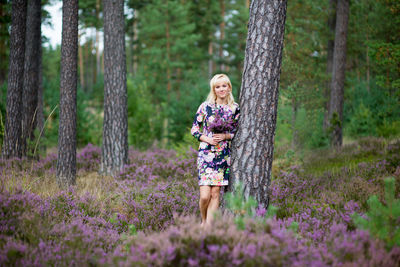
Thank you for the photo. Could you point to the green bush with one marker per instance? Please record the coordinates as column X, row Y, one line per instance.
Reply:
column 382, row 219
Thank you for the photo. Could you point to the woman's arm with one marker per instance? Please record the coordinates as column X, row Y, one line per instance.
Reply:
column 198, row 122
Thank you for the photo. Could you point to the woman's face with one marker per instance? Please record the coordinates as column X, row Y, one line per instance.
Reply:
column 222, row 89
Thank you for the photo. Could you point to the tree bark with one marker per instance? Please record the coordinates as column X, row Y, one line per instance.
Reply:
column 66, row 161
column 295, row 131
column 81, row 68
column 40, row 113
column 115, row 125
column 12, row 137
column 338, row 73
column 210, row 59
column 31, row 74
column 253, row 144
column 329, row 60
column 222, row 35
column 5, row 19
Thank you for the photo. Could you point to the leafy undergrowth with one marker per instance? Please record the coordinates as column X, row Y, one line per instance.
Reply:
column 148, row 215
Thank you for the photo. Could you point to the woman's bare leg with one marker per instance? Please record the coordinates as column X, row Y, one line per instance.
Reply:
column 214, row 203
column 205, row 195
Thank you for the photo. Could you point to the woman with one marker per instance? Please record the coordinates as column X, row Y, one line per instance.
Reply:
column 213, row 160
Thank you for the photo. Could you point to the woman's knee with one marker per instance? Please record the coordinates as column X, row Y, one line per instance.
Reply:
column 205, row 198
column 215, row 192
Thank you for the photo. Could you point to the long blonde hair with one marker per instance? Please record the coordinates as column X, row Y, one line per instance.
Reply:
column 212, row 97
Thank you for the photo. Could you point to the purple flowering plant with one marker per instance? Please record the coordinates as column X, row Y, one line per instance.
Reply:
column 221, row 124
column 148, row 214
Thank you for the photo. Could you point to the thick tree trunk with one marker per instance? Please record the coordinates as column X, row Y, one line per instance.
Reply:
column 115, row 125
column 329, row 60
column 12, row 137
column 253, row 144
column 31, row 74
column 338, row 73
column 66, row 162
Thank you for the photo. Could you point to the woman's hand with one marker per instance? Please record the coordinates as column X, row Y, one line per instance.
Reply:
column 211, row 141
column 219, row 137
column 208, row 140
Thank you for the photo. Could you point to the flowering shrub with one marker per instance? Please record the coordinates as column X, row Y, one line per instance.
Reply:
column 148, row 215
column 221, row 124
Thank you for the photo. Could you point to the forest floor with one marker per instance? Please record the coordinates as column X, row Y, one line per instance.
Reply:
column 149, row 215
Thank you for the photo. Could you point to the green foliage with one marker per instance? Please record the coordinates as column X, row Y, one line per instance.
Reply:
column 244, row 208
column 144, row 121
column 382, row 219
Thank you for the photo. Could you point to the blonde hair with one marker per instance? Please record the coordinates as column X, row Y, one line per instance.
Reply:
column 212, row 97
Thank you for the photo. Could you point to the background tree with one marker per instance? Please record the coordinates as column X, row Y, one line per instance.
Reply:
column 66, row 161
column 12, row 137
column 115, row 126
column 5, row 19
column 33, row 43
column 253, row 145
column 338, row 73
column 329, row 60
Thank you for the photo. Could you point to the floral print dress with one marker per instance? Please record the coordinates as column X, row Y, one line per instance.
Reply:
column 213, row 162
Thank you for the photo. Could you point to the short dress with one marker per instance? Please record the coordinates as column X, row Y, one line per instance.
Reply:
column 213, row 162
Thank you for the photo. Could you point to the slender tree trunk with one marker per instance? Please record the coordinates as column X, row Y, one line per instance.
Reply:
column 97, row 41
column 210, row 59
column 66, row 161
column 12, row 137
column 135, row 38
column 81, row 68
column 86, row 64
column 93, row 64
column 31, row 73
column 329, row 60
column 222, row 35
column 338, row 74
column 40, row 113
column 368, row 64
column 295, row 137
column 3, row 42
column 253, row 144
column 115, row 125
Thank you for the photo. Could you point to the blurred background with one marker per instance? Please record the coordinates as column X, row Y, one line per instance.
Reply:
column 174, row 47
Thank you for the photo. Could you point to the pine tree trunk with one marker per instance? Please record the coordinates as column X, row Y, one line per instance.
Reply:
column 295, row 132
column 3, row 42
column 31, row 74
column 222, row 35
column 66, row 162
column 338, row 73
column 81, row 68
column 115, row 125
column 210, row 59
column 329, row 60
column 253, row 144
column 97, row 41
column 12, row 137
column 40, row 113
column 135, row 38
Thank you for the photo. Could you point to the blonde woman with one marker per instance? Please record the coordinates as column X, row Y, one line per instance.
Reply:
column 213, row 160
